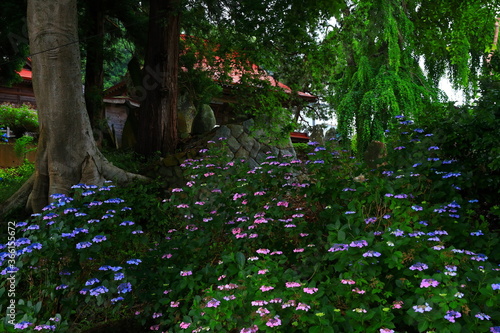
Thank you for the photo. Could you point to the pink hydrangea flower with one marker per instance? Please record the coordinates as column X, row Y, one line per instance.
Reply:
column 426, row 283
column 310, row 290
column 266, row 288
column 184, row 325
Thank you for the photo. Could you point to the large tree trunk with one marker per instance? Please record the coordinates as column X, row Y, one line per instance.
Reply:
column 94, row 68
column 158, row 117
column 67, row 153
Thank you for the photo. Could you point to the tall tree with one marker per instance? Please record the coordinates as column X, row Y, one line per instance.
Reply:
column 94, row 66
column 66, row 153
column 104, row 26
column 158, row 120
column 376, row 49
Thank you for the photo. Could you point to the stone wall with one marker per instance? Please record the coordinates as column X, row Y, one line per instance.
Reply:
column 242, row 144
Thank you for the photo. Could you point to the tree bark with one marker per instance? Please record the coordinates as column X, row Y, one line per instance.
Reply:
column 158, row 117
column 94, row 68
column 66, row 153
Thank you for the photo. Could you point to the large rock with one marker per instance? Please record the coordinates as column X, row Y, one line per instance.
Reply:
column 317, row 134
column 186, row 112
column 204, row 121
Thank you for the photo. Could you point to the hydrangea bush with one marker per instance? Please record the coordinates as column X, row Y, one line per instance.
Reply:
column 316, row 245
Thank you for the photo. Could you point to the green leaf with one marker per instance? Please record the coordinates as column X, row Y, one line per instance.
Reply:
column 423, row 325
column 240, row 259
column 37, row 307
column 315, row 329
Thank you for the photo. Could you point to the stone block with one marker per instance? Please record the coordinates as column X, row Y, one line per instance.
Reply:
column 242, row 153
column 288, row 151
column 247, row 125
column 252, row 163
column 255, row 149
column 236, row 130
column 261, row 156
column 222, row 132
column 233, row 144
column 246, row 141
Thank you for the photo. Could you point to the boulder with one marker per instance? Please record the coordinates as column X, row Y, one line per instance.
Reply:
column 204, row 121
column 186, row 112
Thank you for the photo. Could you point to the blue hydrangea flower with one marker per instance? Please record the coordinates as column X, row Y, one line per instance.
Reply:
column 422, row 308
column 22, row 325
column 124, row 288
column 117, row 299
column 338, row 247
column 114, row 200
column 83, row 245
column 451, row 315
column 98, row 290
column 371, row 254
column 99, row 238
column 359, row 243
column 482, row 316
column 398, row 233
column 92, row 282
column 134, row 261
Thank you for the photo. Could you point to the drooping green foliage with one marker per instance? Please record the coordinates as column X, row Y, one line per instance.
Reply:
column 377, row 48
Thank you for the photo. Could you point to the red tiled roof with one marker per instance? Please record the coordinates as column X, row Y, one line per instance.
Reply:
column 237, row 72
column 25, row 74
column 299, row 136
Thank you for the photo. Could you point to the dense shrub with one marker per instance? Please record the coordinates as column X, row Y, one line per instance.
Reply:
column 469, row 136
column 318, row 245
column 11, row 179
column 19, row 119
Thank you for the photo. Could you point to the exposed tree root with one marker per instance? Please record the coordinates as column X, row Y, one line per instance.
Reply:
column 19, row 201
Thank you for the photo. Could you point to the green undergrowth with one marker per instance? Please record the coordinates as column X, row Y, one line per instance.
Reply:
column 318, row 244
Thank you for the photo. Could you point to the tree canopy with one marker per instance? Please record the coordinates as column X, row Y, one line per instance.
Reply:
column 13, row 40
column 387, row 57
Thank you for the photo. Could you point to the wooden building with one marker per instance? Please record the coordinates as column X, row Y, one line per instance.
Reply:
column 22, row 92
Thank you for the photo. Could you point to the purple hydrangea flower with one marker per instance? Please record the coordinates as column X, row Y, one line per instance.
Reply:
column 419, row 266
column 451, row 315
